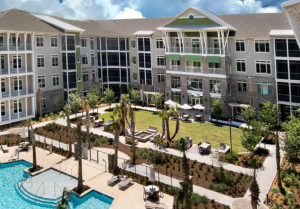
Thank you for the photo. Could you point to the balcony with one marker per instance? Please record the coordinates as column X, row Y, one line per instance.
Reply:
column 193, row 69
column 3, row 47
column 215, row 70
column 175, row 68
column 4, row 118
column 5, row 94
column 196, row 50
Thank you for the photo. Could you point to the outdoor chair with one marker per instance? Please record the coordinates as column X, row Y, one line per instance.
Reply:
column 113, row 180
column 222, row 146
column 4, row 148
column 146, row 194
column 125, row 183
column 14, row 156
column 151, row 205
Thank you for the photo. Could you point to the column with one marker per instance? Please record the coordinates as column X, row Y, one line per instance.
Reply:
column 219, row 41
column 26, row 106
column 18, row 108
column 9, row 110
column 25, row 40
column 7, row 41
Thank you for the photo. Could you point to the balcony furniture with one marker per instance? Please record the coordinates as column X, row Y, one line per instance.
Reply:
column 113, row 180
column 4, row 148
column 204, row 148
column 125, row 183
column 189, row 142
column 24, row 146
column 223, row 148
column 152, row 192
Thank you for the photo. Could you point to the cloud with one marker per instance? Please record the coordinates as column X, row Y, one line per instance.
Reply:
column 110, row 9
column 129, row 13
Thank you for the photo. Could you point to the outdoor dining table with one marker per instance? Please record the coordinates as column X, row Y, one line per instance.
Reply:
column 152, row 189
column 185, row 117
column 205, row 148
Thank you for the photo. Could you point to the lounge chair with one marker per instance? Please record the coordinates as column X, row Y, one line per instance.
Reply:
column 113, row 180
column 125, row 183
column 152, row 129
column 4, row 148
column 151, row 205
column 14, row 156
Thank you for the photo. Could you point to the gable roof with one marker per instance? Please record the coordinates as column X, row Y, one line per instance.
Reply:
column 20, row 20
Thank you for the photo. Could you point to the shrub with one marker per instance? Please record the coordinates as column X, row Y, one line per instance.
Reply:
column 261, row 151
column 275, row 190
column 288, row 181
column 172, row 190
column 230, row 178
column 144, row 153
column 218, row 187
column 290, row 195
column 231, row 157
column 285, row 200
column 196, row 199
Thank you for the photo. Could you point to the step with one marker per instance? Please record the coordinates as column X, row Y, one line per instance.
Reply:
column 36, row 196
column 33, row 198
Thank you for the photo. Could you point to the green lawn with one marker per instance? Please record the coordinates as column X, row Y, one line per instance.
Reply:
column 200, row 132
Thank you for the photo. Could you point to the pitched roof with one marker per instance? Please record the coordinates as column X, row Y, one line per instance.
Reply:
column 20, row 20
column 256, row 25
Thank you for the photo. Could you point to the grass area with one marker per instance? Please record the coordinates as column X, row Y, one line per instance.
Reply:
column 200, row 132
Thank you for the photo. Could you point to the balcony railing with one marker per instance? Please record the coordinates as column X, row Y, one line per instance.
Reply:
column 3, row 71
column 4, row 118
column 3, row 47
column 5, row 94
column 193, row 69
column 215, row 70
column 196, row 50
column 175, row 68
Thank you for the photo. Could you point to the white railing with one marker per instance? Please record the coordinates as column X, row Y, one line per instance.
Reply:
column 195, row 50
column 175, row 68
column 215, row 70
column 193, row 69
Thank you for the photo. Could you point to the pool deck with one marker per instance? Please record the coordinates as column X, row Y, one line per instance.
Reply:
column 94, row 176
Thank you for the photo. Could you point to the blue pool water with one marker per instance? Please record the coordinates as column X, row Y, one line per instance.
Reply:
column 11, row 173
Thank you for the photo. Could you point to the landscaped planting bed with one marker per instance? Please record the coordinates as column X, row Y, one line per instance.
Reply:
column 210, row 177
column 10, row 139
column 289, row 196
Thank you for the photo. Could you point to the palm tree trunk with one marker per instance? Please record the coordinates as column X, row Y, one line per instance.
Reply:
column 177, row 128
column 34, row 163
column 278, row 160
column 87, row 124
column 69, row 135
column 79, row 144
column 133, row 147
column 163, row 128
column 187, row 193
column 168, row 131
column 116, row 146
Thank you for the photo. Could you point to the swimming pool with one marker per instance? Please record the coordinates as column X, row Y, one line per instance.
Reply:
column 12, row 173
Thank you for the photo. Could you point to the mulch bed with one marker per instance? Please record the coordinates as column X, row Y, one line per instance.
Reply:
column 289, row 197
column 10, row 139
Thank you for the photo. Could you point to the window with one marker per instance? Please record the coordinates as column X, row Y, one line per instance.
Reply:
column 193, row 100
column 295, row 70
column 144, row 60
column 83, row 42
column 84, row 59
column 53, row 41
column 70, row 42
column 145, row 77
column 112, row 44
column 54, row 60
column 17, row 63
column 44, row 102
column 280, row 47
column 16, row 84
column 240, row 45
column 92, row 43
column 175, row 82
column 13, row 39
column 194, row 84
column 242, row 86
column 161, row 78
column 3, row 109
column 15, row 106
column 39, row 41
column 176, row 97
column 264, row 88
column 3, row 85
column 283, row 92
column 215, row 86
column 40, row 61
column 2, row 62
column 293, row 48
column 241, row 65
column 144, row 44
column 263, row 67
column 85, row 77
column 41, row 81
column 93, row 59
column 282, row 69
column 216, row 44
column 295, row 92
column 161, row 60
column 262, row 46
column 159, row 44
column 1, row 39
column 55, row 80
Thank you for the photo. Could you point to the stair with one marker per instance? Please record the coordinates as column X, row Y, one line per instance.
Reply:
column 37, row 200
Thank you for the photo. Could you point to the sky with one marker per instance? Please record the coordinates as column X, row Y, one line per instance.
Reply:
column 123, row 9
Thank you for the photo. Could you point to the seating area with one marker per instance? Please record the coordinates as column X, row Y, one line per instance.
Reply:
column 204, row 148
column 152, row 193
column 124, row 182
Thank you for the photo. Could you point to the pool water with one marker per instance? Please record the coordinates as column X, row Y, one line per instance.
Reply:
column 11, row 173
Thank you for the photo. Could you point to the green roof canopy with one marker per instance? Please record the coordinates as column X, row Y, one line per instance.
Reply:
column 193, row 58
column 228, row 59
column 213, row 59
column 174, row 57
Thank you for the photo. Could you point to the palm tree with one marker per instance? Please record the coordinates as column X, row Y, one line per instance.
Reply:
column 86, row 108
column 116, row 118
column 65, row 200
column 79, row 157
column 187, row 184
column 40, row 100
column 124, row 101
column 66, row 114
column 32, row 139
column 134, row 96
column 157, row 100
column 132, row 130
column 175, row 113
column 255, row 191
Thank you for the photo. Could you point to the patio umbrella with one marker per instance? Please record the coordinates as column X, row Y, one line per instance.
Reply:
column 185, row 107
column 172, row 103
column 198, row 107
column 151, row 174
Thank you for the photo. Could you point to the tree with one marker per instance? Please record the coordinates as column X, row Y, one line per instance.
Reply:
column 124, row 103
column 39, row 93
column 268, row 116
column 32, row 139
column 187, row 184
column 75, row 102
column 93, row 98
column 79, row 157
column 134, row 96
column 66, row 114
column 65, row 200
column 56, row 100
column 86, row 108
column 292, row 137
column 255, row 191
column 216, row 108
column 249, row 114
column 251, row 136
column 109, row 96
column 157, row 100
column 116, row 118
column 132, row 130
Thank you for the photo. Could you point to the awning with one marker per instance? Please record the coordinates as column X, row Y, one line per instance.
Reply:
column 174, row 57
column 238, row 105
column 213, row 59
column 228, row 59
column 192, row 58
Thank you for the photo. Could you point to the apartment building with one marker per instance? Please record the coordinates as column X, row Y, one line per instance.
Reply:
column 190, row 58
